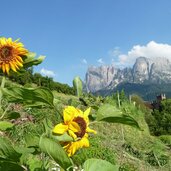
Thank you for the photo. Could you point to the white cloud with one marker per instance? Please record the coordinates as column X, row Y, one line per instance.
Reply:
column 117, row 64
column 46, row 72
column 151, row 50
column 84, row 61
column 100, row 61
column 114, row 52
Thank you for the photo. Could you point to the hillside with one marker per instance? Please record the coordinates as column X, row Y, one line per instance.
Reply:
column 128, row 147
column 147, row 91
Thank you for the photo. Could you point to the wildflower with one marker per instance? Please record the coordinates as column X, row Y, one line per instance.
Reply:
column 76, row 125
column 11, row 53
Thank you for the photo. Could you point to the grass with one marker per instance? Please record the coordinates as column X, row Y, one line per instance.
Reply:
column 96, row 150
column 132, row 149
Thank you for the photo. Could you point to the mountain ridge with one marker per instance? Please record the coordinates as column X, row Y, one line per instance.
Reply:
column 145, row 71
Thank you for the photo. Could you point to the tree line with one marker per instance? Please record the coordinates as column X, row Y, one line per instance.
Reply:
column 28, row 78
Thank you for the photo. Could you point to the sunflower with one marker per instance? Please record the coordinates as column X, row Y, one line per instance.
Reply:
column 76, row 125
column 72, row 147
column 11, row 53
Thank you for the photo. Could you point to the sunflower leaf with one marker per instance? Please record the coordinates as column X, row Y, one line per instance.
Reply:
column 31, row 140
column 109, row 113
column 7, row 151
column 10, row 166
column 28, row 96
column 64, row 137
column 55, row 151
column 100, row 165
column 30, row 60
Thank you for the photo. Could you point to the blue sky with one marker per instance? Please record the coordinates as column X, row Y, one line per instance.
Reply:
column 74, row 34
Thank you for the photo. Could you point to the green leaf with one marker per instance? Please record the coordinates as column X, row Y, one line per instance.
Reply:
column 47, row 126
column 109, row 113
column 24, row 150
column 99, row 165
column 54, row 150
column 108, row 110
column 7, row 151
column 9, row 166
column 65, row 137
column 29, row 96
column 78, row 86
column 32, row 140
column 4, row 125
column 30, row 60
column 35, row 163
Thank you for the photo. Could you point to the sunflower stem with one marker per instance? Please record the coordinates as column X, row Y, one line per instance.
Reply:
column 1, row 94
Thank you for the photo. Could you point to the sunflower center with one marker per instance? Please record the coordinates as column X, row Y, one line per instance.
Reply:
column 82, row 124
column 5, row 53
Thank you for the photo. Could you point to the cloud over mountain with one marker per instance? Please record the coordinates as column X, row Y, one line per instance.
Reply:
column 151, row 50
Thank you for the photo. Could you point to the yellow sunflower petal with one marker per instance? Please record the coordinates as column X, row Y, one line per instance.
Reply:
column 66, row 146
column 91, row 130
column 20, row 44
column 72, row 147
column 11, row 52
column 73, row 126
column 9, row 40
column 68, row 114
column 3, row 68
column 16, row 66
column 19, row 59
column 19, row 63
column 84, row 142
column 3, row 42
column 72, row 134
column 79, row 113
column 7, row 68
column 60, row 128
column 86, row 135
column 13, row 67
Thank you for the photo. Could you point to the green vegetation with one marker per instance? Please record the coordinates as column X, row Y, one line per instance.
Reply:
column 129, row 148
column 147, row 91
column 27, row 78
column 159, row 120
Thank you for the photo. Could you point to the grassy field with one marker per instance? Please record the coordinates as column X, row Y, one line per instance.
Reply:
column 128, row 147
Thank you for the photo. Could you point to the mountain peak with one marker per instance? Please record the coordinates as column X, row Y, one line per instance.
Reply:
column 145, row 70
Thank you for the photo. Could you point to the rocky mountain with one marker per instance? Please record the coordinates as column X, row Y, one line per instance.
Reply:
column 145, row 71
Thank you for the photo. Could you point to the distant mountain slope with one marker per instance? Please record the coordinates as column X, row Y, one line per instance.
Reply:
column 147, row 78
column 146, row 91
